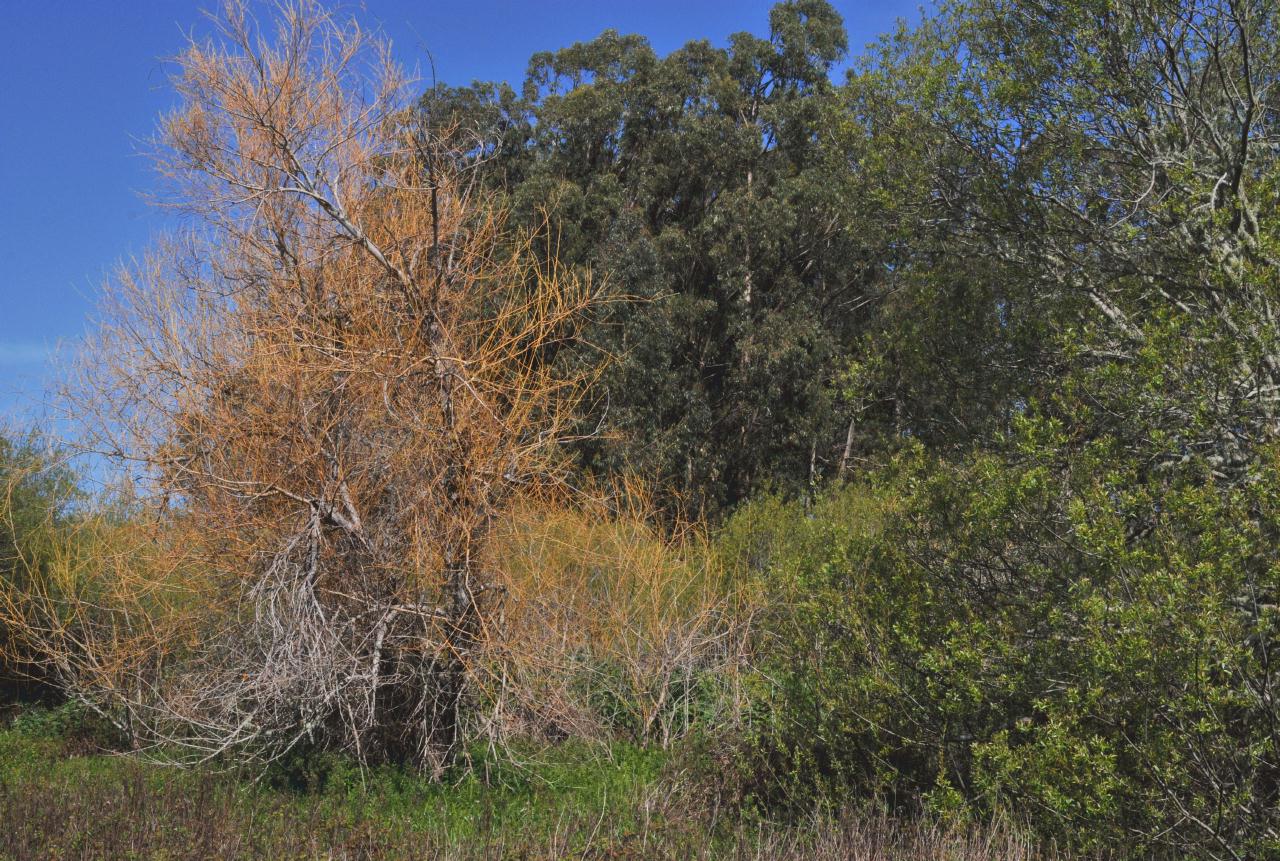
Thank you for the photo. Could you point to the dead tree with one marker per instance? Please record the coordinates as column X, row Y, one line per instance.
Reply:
column 331, row 387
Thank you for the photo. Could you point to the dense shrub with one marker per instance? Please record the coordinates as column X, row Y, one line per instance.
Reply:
column 1076, row 639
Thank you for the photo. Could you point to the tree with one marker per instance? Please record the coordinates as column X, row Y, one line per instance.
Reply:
column 701, row 186
column 1074, row 620
column 328, row 392
column 1123, row 187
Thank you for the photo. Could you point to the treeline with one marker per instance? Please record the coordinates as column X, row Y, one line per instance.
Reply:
column 954, row 385
column 812, row 269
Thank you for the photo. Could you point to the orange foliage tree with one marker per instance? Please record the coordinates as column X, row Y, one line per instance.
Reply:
column 331, row 388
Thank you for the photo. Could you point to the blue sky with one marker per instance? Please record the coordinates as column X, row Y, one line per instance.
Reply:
column 82, row 81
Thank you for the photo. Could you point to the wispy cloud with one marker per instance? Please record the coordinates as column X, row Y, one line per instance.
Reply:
column 24, row 353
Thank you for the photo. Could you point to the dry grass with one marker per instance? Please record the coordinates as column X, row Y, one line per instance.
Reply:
column 611, row 625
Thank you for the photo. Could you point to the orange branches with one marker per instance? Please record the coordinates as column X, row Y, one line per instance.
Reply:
column 332, row 387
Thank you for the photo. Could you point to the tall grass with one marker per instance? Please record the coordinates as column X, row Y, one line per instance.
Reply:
column 612, row 627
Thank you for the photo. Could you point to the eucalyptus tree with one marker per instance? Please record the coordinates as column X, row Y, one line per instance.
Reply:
column 702, row 189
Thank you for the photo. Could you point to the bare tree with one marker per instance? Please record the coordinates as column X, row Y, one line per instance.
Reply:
column 330, row 387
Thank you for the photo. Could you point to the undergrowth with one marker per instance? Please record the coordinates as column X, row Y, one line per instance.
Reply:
column 62, row 799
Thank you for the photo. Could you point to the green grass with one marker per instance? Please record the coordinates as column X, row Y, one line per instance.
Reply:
column 572, row 796
column 63, row 798
column 534, row 792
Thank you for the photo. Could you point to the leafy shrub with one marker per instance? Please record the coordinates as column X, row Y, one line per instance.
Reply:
column 1069, row 636
column 37, row 492
column 57, row 722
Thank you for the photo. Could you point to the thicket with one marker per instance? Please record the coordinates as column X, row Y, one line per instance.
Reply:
column 955, row 385
column 992, row 637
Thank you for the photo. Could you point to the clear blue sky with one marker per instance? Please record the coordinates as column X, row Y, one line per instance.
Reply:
column 81, row 82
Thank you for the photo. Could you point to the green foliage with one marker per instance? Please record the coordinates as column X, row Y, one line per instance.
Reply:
column 1051, row 634
column 51, row 723
column 35, row 489
column 752, row 215
column 37, row 493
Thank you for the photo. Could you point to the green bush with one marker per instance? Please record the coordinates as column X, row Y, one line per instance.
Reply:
column 51, row 723
column 37, row 493
column 1061, row 633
